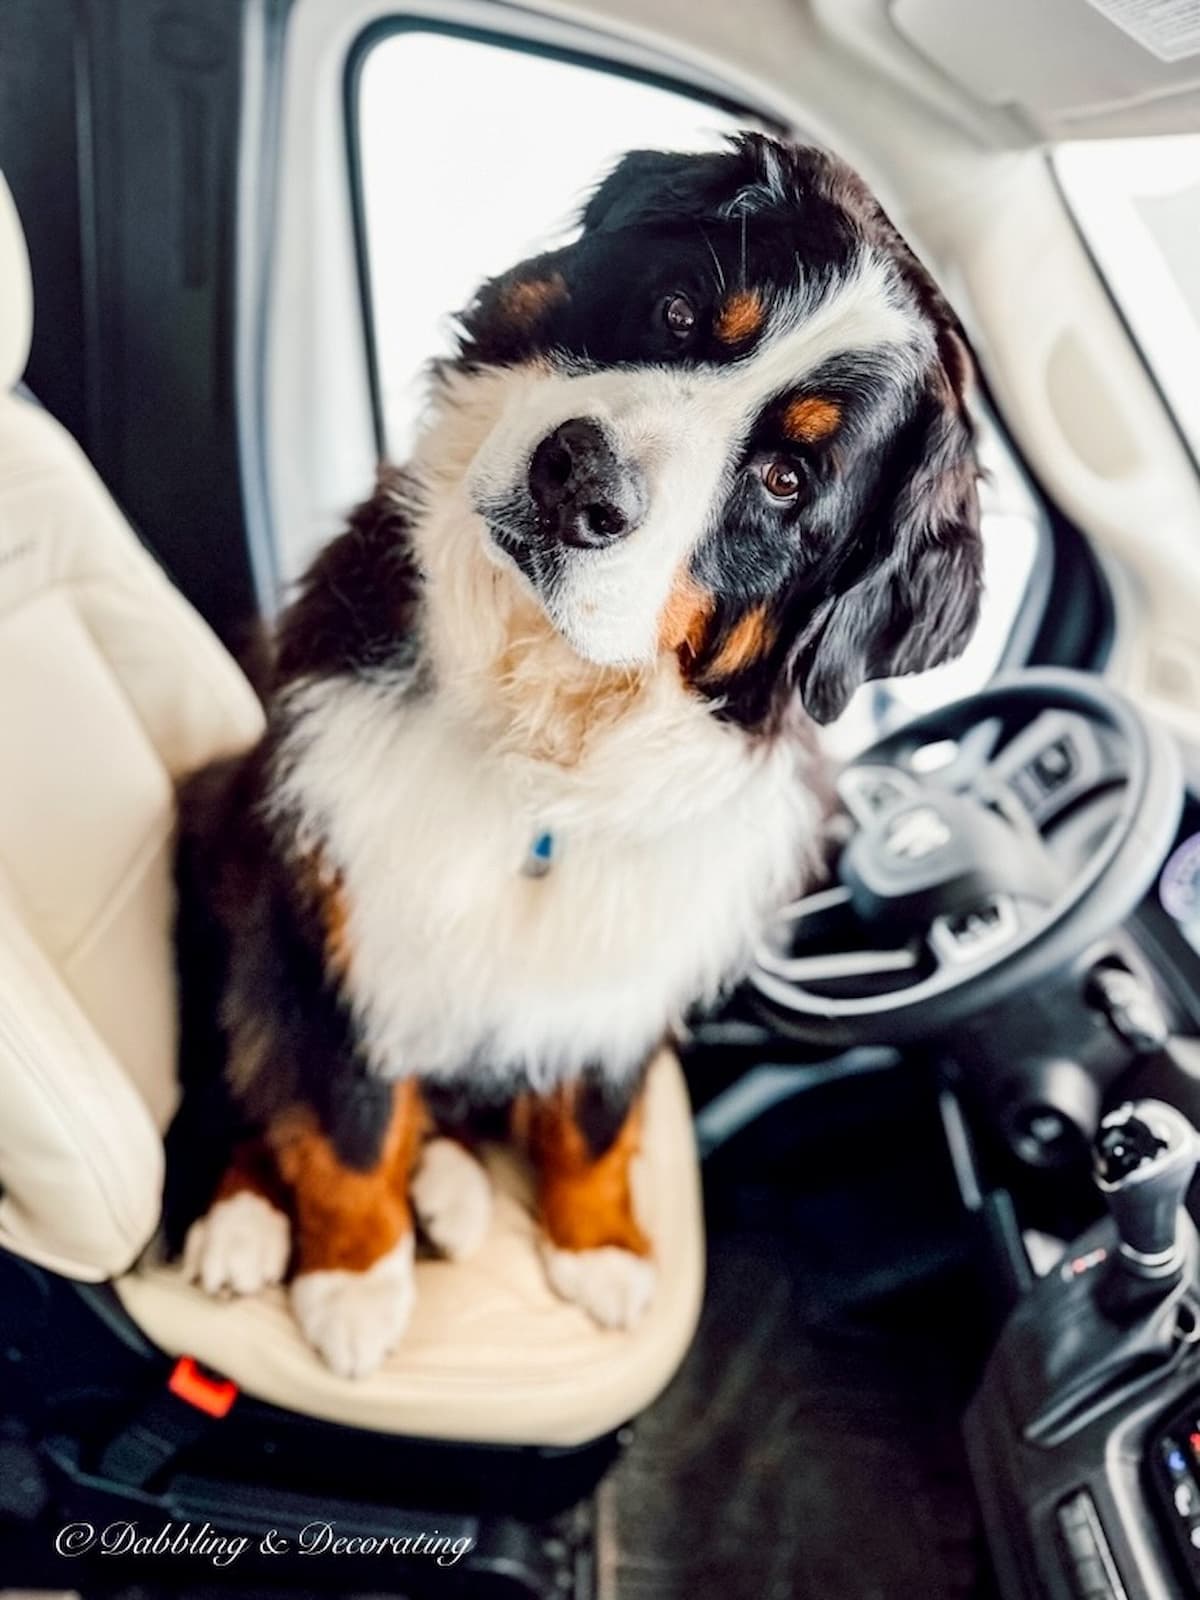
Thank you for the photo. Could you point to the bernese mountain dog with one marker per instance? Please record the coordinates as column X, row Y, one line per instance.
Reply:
column 539, row 762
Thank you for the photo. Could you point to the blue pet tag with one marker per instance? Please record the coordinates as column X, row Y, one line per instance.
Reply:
column 540, row 856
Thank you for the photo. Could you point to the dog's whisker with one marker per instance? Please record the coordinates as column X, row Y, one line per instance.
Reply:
column 719, row 270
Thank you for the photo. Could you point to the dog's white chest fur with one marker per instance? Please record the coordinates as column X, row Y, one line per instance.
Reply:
column 675, row 837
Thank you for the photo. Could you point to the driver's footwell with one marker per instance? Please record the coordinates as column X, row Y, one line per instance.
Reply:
column 809, row 1448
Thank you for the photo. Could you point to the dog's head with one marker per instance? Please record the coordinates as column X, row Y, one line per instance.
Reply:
column 732, row 427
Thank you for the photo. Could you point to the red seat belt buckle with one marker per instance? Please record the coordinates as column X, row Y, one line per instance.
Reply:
column 194, row 1386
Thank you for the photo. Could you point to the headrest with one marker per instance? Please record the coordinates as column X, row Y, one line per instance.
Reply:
column 16, row 293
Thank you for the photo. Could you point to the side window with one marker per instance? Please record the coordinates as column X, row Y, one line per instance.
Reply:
column 473, row 155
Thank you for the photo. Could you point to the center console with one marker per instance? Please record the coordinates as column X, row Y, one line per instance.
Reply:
column 1084, row 1437
column 1084, row 1434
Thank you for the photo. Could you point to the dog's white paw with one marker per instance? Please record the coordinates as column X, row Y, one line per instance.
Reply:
column 355, row 1319
column 452, row 1196
column 239, row 1247
column 613, row 1285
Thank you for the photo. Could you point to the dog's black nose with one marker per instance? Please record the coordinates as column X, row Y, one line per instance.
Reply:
column 585, row 494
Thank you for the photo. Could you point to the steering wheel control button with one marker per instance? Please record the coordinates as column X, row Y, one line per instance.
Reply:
column 916, row 834
column 868, row 791
column 971, row 935
column 1057, row 760
column 1055, row 764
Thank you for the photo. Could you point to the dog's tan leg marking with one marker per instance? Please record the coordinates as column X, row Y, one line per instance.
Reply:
column 352, row 1292
column 595, row 1250
column 242, row 1243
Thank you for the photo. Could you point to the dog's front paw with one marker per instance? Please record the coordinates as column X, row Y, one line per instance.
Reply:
column 613, row 1286
column 239, row 1247
column 354, row 1320
column 452, row 1195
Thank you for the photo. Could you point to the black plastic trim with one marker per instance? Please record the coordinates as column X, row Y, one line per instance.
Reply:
column 1078, row 623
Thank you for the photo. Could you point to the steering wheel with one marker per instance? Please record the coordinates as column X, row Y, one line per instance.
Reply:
column 990, row 843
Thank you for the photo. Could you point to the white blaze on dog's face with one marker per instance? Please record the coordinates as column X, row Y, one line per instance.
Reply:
column 728, row 422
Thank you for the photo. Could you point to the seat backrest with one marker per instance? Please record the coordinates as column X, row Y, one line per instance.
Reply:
column 111, row 687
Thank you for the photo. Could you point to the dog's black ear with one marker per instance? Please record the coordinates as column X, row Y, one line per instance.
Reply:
column 649, row 185
column 918, row 603
column 646, row 184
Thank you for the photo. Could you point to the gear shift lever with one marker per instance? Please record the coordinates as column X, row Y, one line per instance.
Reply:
column 1106, row 1321
column 1144, row 1158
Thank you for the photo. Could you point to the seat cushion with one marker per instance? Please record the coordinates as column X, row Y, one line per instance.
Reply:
column 491, row 1355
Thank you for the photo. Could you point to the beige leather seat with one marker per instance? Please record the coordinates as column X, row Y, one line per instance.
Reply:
column 110, row 687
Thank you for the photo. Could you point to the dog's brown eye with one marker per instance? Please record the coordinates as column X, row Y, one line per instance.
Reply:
column 780, row 479
column 679, row 314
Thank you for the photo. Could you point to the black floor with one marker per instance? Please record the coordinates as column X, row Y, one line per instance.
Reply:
column 809, row 1448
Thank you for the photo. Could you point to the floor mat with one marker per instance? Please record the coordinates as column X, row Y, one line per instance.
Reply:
column 809, row 1447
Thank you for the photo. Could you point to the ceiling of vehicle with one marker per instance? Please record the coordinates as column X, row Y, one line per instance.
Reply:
column 1020, row 71
column 1099, row 66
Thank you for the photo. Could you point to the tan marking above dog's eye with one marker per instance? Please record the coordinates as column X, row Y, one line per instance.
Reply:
column 781, row 479
column 811, row 418
column 741, row 317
